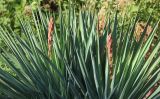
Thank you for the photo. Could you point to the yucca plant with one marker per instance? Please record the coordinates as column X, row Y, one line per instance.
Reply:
column 76, row 65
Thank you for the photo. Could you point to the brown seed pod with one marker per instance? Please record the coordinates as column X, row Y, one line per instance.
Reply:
column 50, row 30
column 101, row 21
column 139, row 29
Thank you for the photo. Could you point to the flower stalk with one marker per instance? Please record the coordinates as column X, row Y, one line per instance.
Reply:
column 50, row 42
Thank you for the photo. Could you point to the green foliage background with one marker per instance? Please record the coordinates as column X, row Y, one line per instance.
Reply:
column 10, row 10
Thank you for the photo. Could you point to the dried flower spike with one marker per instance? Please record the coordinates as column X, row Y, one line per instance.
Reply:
column 109, row 47
column 50, row 30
